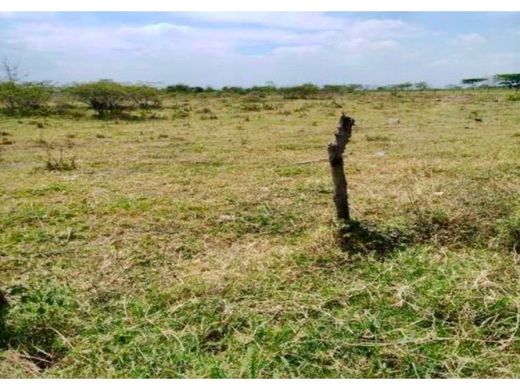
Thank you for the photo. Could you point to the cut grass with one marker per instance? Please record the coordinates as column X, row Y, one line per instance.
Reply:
column 206, row 248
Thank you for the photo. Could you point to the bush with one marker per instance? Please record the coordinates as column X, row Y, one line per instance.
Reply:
column 304, row 91
column 339, row 89
column 24, row 98
column 179, row 88
column 144, row 97
column 106, row 97
column 109, row 98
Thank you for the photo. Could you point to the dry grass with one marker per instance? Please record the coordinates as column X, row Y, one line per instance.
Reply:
column 202, row 245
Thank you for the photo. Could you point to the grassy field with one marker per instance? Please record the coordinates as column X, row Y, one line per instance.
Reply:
column 201, row 243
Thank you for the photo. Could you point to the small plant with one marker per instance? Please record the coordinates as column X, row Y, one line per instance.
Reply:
column 180, row 115
column 36, row 319
column 207, row 114
column 377, row 138
column 205, row 110
column 509, row 233
column 6, row 141
column 251, row 107
column 59, row 164
column 208, row 117
column 475, row 115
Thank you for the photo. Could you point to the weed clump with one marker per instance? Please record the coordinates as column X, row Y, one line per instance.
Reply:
column 508, row 233
column 59, row 163
column 38, row 322
column 252, row 107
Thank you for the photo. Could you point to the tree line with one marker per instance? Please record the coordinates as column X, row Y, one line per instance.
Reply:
column 109, row 98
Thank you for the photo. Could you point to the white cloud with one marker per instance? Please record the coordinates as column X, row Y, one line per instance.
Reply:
column 155, row 29
column 382, row 28
column 468, row 39
column 284, row 20
column 370, row 34
column 238, row 48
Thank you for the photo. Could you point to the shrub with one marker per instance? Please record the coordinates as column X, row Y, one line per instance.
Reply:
column 106, row 97
column 24, row 98
column 59, row 163
column 180, row 88
column 508, row 230
column 304, row 91
column 144, row 96
column 339, row 89
column 109, row 98
column 257, row 107
column 234, row 90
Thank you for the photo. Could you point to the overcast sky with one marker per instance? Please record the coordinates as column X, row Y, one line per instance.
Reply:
column 217, row 49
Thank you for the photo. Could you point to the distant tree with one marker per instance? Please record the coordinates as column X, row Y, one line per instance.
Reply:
column 341, row 88
column 509, row 80
column 332, row 88
column 453, row 86
column 182, row 88
column 106, row 97
column 264, row 89
column 303, row 91
column 474, row 82
column 19, row 98
column 402, row 86
column 421, row 86
column 144, row 96
column 109, row 98
column 24, row 98
column 353, row 87
column 238, row 90
column 11, row 71
column 396, row 87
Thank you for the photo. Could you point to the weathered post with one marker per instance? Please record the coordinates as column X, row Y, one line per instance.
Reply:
column 336, row 150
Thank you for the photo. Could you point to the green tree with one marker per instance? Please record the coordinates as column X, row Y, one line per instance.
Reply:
column 303, row 91
column 109, row 98
column 474, row 82
column 402, row 86
column 24, row 98
column 144, row 96
column 341, row 88
column 421, row 86
column 106, row 97
column 509, row 80
column 180, row 88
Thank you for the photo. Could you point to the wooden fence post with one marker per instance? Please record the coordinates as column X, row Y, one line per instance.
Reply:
column 336, row 150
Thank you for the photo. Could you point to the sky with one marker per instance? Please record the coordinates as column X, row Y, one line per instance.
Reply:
column 253, row 48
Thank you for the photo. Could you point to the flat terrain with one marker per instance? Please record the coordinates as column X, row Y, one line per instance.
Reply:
column 201, row 242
